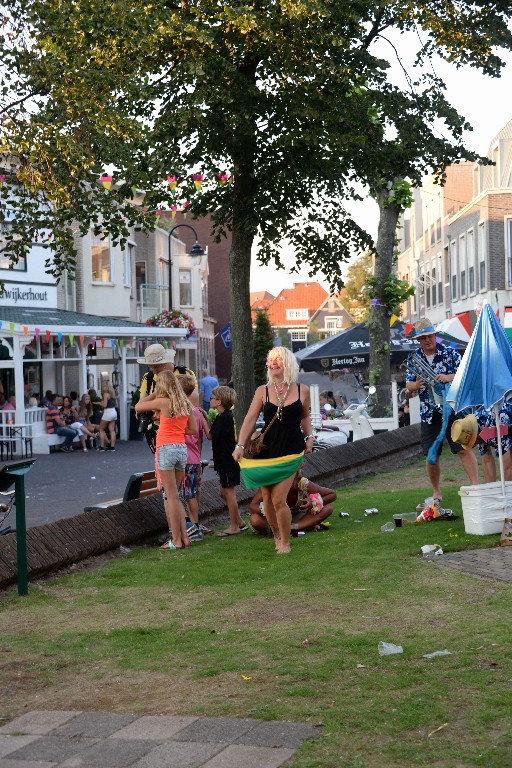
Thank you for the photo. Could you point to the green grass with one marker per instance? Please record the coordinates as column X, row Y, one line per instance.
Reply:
column 231, row 629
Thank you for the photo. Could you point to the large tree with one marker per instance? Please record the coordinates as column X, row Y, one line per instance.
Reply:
column 282, row 98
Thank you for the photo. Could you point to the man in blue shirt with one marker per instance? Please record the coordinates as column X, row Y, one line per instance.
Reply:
column 206, row 386
column 444, row 362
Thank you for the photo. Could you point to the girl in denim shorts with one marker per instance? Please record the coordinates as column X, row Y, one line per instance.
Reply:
column 177, row 419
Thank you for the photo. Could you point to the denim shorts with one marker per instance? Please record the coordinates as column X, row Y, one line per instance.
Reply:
column 172, row 456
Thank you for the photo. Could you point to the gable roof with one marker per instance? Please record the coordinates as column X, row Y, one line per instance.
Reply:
column 303, row 296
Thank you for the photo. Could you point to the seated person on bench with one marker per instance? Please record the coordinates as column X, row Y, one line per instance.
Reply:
column 310, row 505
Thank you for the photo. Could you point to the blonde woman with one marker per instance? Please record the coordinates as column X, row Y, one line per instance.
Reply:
column 177, row 419
column 285, row 403
column 108, row 418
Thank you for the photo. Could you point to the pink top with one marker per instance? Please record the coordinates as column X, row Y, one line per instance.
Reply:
column 194, row 441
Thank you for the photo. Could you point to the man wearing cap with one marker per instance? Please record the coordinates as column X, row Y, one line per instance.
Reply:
column 444, row 362
column 159, row 359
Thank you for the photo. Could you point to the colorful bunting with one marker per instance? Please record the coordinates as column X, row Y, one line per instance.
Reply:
column 197, row 178
column 25, row 330
column 47, row 335
column 106, row 182
column 102, row 343
column 11, row 326
column 223, row 178
column 37, row 331
column 172, row 181
column 174, row 209
column 392, row 320
column 113, row 343
column 71, row 338
column 158, row 214
column 184, row 207
column 59, row 337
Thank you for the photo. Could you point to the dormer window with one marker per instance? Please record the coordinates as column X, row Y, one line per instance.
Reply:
column 297, row 314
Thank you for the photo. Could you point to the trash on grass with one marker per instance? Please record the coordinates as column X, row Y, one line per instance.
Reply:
column 387, row 527
column 431, row 549
column 124, row 550
column 344, row 514
column 389, row 649
column 436, row 730
column 436, row 653
column 371, row 511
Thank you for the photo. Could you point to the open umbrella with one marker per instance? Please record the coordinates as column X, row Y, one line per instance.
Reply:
column 484, row 376
column 351, row 349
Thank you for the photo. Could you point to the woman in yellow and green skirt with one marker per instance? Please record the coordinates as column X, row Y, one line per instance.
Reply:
column 286, row 442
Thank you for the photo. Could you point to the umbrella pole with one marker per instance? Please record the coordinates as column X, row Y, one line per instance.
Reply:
column 500, row 452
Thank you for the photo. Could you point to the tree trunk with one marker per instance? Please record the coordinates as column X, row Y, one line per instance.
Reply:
column 380, row 370
column 241, row 324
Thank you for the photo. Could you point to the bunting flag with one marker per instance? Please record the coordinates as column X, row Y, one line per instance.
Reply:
column 408, row 328
column 82, row 338
column 93, row 341
column 47, row 335
column 106, row 182
column 184, row 207
column 198, row 178
column 2, row 179
column 121, row 342
column 133, row 190
column 375, row 303
column 174, row 209
column 392, row 320
column 140, row 346
column 223, row 178
column 59, row 337
column 172, row 181
column 71, row 338
column 37, row 331
column 113, row 343
column 1, row 323
column 11, row 327
column 158, row 215
column 102, row 343
column 25, row 330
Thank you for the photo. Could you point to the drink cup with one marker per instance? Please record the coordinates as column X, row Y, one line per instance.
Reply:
column 398, row 520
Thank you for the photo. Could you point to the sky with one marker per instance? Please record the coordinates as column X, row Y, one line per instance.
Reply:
column 483, row 101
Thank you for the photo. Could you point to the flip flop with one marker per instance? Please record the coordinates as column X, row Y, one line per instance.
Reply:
column 244, row 528
column 224, row 534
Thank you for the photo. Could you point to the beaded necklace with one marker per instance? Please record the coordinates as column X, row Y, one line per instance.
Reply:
column 280, row 400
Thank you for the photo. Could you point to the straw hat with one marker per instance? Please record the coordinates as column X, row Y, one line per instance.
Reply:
column 156, row 354
column 465, row 431
column 423, row 328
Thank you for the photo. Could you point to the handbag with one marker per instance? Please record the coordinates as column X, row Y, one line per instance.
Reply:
column 255, row 444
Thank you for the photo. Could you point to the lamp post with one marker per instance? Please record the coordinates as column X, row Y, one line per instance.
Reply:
column 195, row 252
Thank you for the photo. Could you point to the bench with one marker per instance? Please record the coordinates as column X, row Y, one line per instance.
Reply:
column 139, row 485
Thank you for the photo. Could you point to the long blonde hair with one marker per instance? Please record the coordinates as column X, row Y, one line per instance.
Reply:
column 166, row 385
column 290, row 365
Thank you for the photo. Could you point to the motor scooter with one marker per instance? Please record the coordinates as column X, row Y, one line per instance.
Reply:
column 358, row 417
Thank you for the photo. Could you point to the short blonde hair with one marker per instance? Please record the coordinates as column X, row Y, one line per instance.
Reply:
column 290, row 365
column 166, row 385
column 187, row 383
column 226, row 395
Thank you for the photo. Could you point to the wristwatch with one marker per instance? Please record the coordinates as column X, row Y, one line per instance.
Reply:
column 239, row 445
column 308, row 436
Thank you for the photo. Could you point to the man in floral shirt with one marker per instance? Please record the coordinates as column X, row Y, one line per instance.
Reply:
column 486, row 418
column 444, row 362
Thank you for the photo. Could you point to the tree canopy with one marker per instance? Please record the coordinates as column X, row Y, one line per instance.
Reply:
column 279, row 105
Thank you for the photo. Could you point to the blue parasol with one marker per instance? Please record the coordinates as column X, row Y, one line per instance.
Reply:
column 484, row 376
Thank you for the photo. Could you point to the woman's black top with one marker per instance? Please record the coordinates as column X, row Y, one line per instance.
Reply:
column 285, row 435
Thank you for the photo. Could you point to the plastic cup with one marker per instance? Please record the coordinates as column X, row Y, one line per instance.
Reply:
column 398, row 520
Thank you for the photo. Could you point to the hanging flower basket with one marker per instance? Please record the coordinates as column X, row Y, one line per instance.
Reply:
column 173, row 319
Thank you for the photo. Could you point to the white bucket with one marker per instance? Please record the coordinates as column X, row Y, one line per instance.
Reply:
column 484, row 508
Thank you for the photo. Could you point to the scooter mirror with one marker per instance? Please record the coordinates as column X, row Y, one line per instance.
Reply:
column 372, row 390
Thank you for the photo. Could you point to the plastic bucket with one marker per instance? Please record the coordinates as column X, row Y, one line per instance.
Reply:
column 484, row 508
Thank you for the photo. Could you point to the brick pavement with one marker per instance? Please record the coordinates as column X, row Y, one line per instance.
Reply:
column 495, row 563
column 69, row 739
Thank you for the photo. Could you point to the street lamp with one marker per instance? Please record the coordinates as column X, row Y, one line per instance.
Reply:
column 195, row 253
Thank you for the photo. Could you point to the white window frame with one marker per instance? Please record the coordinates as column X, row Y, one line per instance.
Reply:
column 105, row 244
column 463, row 267
column 69, row 292
column 298, row 334
column 128, row 253
column 182, row 274
column 454, row 269
column 482, row 255
column 297, row 314
column 471, row 260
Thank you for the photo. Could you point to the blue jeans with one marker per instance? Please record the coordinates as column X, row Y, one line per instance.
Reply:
column 68, row 433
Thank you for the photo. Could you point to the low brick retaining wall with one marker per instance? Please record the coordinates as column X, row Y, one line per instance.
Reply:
column 58, row 544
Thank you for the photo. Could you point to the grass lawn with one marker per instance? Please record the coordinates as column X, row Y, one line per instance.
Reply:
column 230, row 629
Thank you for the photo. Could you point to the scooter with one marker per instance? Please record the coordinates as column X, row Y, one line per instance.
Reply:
column 358, row 417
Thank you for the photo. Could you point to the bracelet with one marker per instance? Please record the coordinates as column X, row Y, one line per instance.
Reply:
column 308, row 437
column 239, row 445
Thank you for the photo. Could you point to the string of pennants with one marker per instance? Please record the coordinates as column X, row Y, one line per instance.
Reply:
column 138, row 343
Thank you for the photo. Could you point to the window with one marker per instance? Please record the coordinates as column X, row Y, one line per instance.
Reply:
column 101, row 264
column 298, row 335
column 470, row 255
column 6, row 217
column 128, row 252
column 434, row 287
column 297, row 314
column 140, row 276
column 185, row 288
column 462, row 264
column 333, row 325
column 454, row 268
column 509, row 251
column 428, row 284
column 440, row 278
column 482, row 251
column 69, row 292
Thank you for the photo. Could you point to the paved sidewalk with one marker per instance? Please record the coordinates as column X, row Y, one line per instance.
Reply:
column 495, row 563
column 100, row 740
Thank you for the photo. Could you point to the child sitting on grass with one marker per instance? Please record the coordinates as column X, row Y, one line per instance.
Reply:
column 177, row 419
